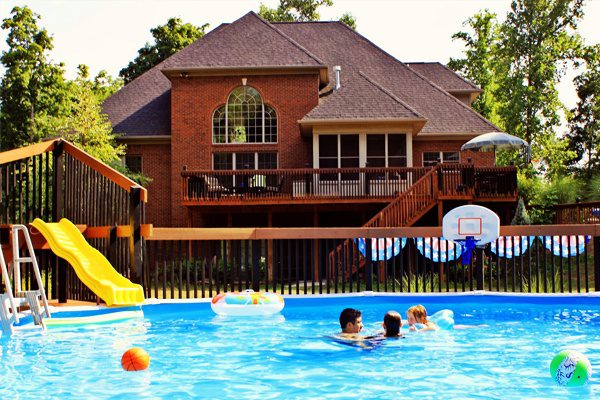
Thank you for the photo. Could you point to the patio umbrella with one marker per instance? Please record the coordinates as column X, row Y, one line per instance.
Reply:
column 495, row 140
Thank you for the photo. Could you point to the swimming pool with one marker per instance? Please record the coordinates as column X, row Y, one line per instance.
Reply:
column 196, row 354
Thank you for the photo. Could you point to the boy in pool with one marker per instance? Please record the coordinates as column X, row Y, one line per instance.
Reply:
column 351, row 323
column 392, row 321
column 418, row 315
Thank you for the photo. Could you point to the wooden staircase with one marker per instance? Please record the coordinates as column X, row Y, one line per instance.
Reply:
column 405, row 210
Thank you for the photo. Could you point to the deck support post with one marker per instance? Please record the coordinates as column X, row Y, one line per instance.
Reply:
column 135, row 240
column 58, row 201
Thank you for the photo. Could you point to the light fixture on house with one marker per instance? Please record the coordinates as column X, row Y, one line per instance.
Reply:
column 184, row 74
column 244, row 81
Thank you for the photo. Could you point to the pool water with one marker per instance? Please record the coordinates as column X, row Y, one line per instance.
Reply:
column 196, row 354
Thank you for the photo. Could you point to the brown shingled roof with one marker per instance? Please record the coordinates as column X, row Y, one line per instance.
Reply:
column 143, row 106
column 369, row 101
column 250, row 41
column 374, row 84
column 336, row 44
column 444, row 77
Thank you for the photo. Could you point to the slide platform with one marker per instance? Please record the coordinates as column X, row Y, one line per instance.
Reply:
column 92, row 268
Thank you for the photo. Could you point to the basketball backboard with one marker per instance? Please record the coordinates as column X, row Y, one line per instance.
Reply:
column 480, row 223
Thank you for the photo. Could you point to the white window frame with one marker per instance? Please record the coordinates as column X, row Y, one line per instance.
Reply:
column 362, row 147
column 226, row 105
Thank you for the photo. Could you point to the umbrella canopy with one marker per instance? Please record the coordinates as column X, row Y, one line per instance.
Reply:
column 493, row 141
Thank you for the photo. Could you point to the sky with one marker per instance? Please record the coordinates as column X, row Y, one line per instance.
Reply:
column 106, row 34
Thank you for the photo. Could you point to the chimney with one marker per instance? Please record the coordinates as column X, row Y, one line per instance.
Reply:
column 337, row 70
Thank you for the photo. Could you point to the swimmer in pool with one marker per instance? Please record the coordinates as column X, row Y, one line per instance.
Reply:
column 418, row 315
column 392, row 321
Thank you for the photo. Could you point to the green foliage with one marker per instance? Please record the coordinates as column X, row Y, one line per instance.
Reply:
column 105, row 85
column 521, row 215
column 169, row 38
column 418, row 283
column 584, row 137
column 301, row 11
column 538, row 40
column 542, row 195
column 591, row 188
column 518, row 64
column 480, row 64
column 33, row 89
column 348, row 19
column 537, row 282
column 86, row 126
column 294, row 10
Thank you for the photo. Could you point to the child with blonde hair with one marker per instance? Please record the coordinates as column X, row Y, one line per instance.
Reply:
column 418, row 315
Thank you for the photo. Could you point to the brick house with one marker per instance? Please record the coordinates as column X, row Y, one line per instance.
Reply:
column 298, row 124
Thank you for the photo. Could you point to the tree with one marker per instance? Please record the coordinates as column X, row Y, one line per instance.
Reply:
column 86, row 126
column 519, row 64
column 301, row 11
column 480, row 64
column 348, row 19
column 584, row 137
column 169, row 38
column 33, row 88
column 521, row 216
column 538, row 40
column 105, row 85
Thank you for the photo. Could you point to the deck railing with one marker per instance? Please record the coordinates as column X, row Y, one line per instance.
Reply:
column 577, row 213
column 286, row 185
column 53, row 180
column 196, row 263
column 340, row 184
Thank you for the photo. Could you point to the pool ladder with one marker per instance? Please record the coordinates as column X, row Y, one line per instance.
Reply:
column 8, row 303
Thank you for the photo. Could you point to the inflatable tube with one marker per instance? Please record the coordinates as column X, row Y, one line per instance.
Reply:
column 444, row 319
column 247, row 303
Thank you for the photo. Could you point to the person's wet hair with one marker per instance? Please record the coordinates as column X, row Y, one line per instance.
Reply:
column 419, row 312
column 349, row 315
column 392, row 321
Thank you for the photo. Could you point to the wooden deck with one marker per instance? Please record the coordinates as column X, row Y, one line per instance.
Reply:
column 342, row 186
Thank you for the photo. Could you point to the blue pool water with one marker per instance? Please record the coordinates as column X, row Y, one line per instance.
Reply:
column 196, row 354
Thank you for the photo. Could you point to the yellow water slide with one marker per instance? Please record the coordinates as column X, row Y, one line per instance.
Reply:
column 92, row 268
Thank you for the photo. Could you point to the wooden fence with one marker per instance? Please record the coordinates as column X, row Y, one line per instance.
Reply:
column 196, row 263
column 577, row 213
column 54, row 180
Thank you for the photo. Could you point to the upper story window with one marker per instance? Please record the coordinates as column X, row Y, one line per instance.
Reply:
column 244, row 119
column 133, row 163
column 433, row 158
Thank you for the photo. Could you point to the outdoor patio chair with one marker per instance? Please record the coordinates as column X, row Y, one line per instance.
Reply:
column 275, row 188
column 213, row 187
column 258, row 181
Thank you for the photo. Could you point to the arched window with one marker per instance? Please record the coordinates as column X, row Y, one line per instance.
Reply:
column 244, row 119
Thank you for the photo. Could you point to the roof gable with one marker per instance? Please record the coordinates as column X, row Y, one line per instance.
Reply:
column 361, row 98
column 143, row 106
column 248, row 42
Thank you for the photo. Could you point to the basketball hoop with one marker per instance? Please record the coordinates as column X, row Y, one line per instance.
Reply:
column 471, row 226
